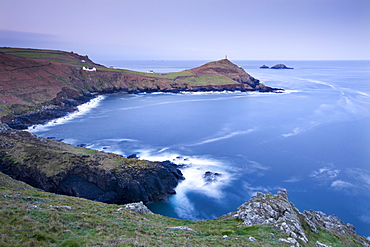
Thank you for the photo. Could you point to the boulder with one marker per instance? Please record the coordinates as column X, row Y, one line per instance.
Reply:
column 137, row 207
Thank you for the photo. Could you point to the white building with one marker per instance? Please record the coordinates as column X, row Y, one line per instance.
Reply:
column 91, row 69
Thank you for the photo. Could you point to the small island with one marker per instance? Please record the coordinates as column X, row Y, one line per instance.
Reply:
column 280, row 66
column 264, row 67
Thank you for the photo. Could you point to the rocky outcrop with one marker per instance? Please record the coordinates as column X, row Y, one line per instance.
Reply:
column 280, row 66
column 64, row 169
column 211, row 177
column 277, row 211
column 264, row 67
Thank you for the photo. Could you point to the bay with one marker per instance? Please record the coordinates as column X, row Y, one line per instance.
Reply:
column 313, row 140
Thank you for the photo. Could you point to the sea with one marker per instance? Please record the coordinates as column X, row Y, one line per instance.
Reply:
column 312, row 139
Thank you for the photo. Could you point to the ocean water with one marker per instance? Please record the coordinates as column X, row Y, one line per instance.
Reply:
column 313, row 139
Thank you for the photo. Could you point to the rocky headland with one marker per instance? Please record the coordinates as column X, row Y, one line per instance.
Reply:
column 76, row 171
column 40, row 85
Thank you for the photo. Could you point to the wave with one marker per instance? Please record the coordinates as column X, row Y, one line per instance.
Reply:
column 194, row 168
column 81, row 110
column 227, row 136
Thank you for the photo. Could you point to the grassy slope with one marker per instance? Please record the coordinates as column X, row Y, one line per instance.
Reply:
column 70, row 58
column 29, row 217
column 32, row 86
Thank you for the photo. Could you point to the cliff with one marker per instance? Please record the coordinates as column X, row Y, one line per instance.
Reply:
column 39, row 85
column 64, row 169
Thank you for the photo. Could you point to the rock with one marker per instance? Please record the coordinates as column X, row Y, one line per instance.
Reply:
column 274, row 210
column 280, row 66
column 277, row 211
column 182, row 228
column 137, row 207
column 264, row 67
column 211, row 177
column 225, row 237
column 318, row 244
column 252, row 239
column 66, row 207
column 289, row 241
column 133, row 156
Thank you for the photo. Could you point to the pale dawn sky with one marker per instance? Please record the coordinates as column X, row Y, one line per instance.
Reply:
column 191, row 29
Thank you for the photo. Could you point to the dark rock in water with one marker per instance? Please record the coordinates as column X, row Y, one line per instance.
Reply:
column 210, row 177
column 184, row 165
column 82, row 145
column 133, row 156
column 64, row 169
column 264, row 67
column 280, row 66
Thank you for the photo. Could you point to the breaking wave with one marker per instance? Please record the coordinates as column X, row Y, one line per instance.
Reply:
column 81, row 110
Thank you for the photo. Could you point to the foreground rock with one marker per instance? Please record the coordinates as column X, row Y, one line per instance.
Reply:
column 64, row 169
column 278, row 212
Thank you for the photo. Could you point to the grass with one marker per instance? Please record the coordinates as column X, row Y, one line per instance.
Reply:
column 30, row 217
column 185, row 76
column 46, row 55
column 35, row 218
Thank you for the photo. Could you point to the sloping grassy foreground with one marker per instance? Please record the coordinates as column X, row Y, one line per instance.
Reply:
column 34, row 218
column 29, row 217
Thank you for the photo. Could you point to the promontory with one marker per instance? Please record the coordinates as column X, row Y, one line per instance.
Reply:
column 39, row 85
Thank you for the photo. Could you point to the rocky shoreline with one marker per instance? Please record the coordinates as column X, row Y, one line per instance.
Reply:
column 35, row 91
column 64, row 169
column 23, row 121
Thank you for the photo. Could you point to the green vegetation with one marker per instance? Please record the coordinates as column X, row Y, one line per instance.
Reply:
column 207, row 80
column 35, row 218
column 185, row 76
column 47, row 55
column 30, row 217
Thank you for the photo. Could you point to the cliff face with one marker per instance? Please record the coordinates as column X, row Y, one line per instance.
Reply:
column 60, row 168
column 35, row 90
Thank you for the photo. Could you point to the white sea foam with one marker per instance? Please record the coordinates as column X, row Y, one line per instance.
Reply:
column 223, row 137
column 195, row 168
column 317, row 82
column 294, row 132
column 81, row 110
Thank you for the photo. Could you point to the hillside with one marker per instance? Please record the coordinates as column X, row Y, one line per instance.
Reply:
column 39, row 85
column 30, row 217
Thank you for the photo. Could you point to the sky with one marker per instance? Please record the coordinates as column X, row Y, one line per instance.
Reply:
column 191, row 29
